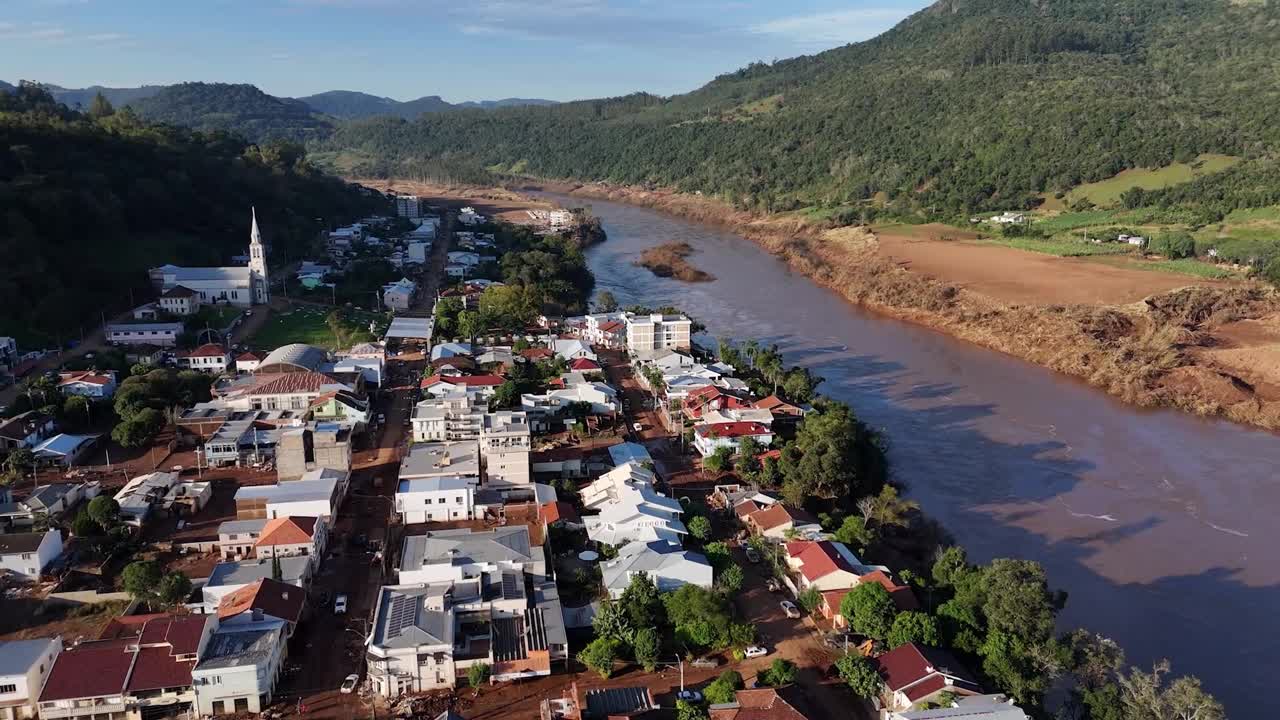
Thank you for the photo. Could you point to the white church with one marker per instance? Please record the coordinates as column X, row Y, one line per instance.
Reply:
column 238, row 286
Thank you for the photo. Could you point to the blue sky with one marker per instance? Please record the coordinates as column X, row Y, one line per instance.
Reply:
column 464, row 50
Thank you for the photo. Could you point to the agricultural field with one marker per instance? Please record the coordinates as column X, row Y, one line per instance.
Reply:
column 309, row 324
column 1106, row 193
column 1061, row 248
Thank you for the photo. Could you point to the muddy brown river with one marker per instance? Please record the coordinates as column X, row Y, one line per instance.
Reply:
column 1161, row 526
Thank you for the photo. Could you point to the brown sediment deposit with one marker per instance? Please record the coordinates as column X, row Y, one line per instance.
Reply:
column 1151, row 339
column 671, row 260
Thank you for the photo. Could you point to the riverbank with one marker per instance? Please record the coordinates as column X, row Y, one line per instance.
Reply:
column 1208, row 348
column 671, row 260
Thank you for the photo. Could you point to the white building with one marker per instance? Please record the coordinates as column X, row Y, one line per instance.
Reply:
column 24, row 665
column 143, row 494
column 656, row 331
column 408, row 206
column 573, row 349
column 228, row 577
column 464, row 258
column 436, row 499
column 238, row 670
column 434, row 460
column 668, row 565
column 88, row 384
column 210, row 358
column 26, row 555
column 180, row 300
column 631, row 510
column 601, row 397
column 452, row 417
column 317, row 493
column 239, row 286
column 708, row 438
column 162, row 334
column 505, row 443
column 465, row 554
column 399, row 294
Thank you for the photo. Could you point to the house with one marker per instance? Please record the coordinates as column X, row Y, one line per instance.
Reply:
column 777, row 521
column 238, row 539
column 239, row 667
column 454, row 366
column 211, row 358
column 709, row 398
column 164, row 334
column 436, row 499
column 972, row 707
column 88, row 384
column 571, row 350
column 316, row 494
column 903, row 598
column 1009, row 218
column 756, row 704
column 248, row 361
column 26, row 430
column 26, row 555
column 399, row 294
column 64, row 449
column 58, row 498
column 465, row 554
column 239, row 286
column 265, row 597
column 631, row 510
column 449, row 349
column 615, row 702
column 783, row 412
column 429, row 460
column 24, row 665
column 450, row 417
column 482, row 385
column 657, row 331
column 228, row 577
column 915, row 674
column 464, row 258
column 738, row 415
column 294, row 536
column 823, row 565
column 709, row 437
column 133, row 670
column 164, row 491
column 585, row 365
column 667, row 564
column 602, row 398
column 180, row 300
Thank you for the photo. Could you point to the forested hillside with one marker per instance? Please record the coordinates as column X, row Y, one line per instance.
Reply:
column 241, row 109
column 346, row 104
column 968, row 104
column 80, row 98
column 91, row 202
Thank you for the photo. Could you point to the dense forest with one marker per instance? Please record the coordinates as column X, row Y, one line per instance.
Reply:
column 241, row 109
column 89, row 201
column 968, row 104
column 350, row 105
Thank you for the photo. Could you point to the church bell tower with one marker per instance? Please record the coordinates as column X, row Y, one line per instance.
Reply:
column 258, row 264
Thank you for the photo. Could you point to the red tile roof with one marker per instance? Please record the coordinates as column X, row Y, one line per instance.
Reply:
column 612, row 326
column 777, row 405
column 465, row 380
column 208, row 350
column 903, row 598
column 559, row 510
column 156, row 668
column 777, row 515
column 536, row 353
column 139, row 656
column 287, row 531
column 91, row 669
column 584, row 364
column 277, row 599
column 291, row 383
column 746, row 507
column 919, row 671
column 758, row 704
column 83, row 377
column 178, row 291
column 249, row 356
column 733, row 430
column 819, row 559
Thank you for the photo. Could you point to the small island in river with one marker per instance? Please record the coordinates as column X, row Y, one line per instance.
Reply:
column 671, row 260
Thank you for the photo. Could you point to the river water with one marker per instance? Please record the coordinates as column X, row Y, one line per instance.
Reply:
column 1160, row 525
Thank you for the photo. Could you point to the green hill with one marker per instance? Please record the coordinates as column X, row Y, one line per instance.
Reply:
column 241, row 109
column 91, row 204
column 349, row 105
column 967, row 104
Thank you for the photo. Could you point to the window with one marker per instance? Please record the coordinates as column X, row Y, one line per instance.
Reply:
column 8, row 688
column 457, row 501
column 26, row 556
column 440, row 501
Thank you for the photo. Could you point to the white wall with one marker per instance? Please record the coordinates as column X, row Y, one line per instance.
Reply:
column 30, row 565
column 27, row 686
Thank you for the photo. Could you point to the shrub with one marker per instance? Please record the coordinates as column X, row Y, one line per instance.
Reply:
column 478, row 674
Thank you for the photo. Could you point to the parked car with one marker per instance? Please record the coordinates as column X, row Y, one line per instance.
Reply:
column 349, row 684
column 756, row 651
column 340, row 604
column 752, row 555
column 706, row 662
column 692, row 696
column 790, row 609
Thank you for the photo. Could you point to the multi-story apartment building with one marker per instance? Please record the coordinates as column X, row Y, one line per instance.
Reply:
column 655, row 332
column 453, row 417
column 505, row 443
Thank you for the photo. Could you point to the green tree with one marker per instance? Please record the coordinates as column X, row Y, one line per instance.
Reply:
column 100, row 107
column 809, row 600
column 19, row 460
column 612, row 621
column 887, row 508
column 686, row 710
column 478, row 674
column 606, row 302
column 173, row 590
column 701, row 618
column 913, row 627
column 730, row 579
column 646, row 647
column 869, row 610
column 861, row 675
column 1019, row 601
column 700, row 527
column 141, row 579
column 83, row 525
column 599, row 655
column 105, row 511
column 724, row 688
column 1146, row 696
column 780, row 672
column 76, row 410
column 642, row 602
column 853, row 531
column 718, row 461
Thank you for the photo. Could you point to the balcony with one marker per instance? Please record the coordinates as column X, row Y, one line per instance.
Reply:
column 84, row 707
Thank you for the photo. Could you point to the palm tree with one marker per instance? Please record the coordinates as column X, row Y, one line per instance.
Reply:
column 750, row 350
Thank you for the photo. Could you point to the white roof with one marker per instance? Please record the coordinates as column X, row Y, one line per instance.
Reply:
column 407, row 327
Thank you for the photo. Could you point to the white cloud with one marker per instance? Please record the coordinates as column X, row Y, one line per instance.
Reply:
column 35, row 31
column 833, row 28
column 105, row 37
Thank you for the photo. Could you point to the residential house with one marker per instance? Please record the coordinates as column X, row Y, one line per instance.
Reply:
column 265, row 598
column 630, row 452
column 482, row 385
column 602, row 398
column 903, row 598
column 915, row 674
column 454, row 366
column 26, row 430
column 1009, row 218
column 971, row 707
column 24, row 666
column 708, row 438
column 58, row 498
column 239, row 668
column 228, row 577
column 433, row 460
column 710, row 398
column 668, row 565
column 450, row 349
column 26, row 555
column 210, row 357
column 317, row 493
column 399, row 294
column 248, row 361
column 779, row 521
column 163, row 491
column 135, row 670
column 823, row 565
column 464, row 258
column 180, row 300
column 631, row 510
column 88, row 383
column 64, row 449
column 571, row 350
column 294, row 536
column 164, row 334
column 464, row 554
column 450, row 417
column 756, row 704
column 738, row 415
column 505, row 443
column 436, row 499
column 657, row 331
column 238, row 539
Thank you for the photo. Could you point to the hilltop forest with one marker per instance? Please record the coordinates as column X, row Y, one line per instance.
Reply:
column 969, row 104
column 89, row 201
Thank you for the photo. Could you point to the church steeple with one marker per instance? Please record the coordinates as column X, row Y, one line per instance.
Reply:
column 258, row 263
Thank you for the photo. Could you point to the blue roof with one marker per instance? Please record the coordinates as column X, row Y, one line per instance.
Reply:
column 63, row 444
column 629, row 452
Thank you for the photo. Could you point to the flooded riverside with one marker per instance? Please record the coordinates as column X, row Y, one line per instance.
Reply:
column 1160, row 525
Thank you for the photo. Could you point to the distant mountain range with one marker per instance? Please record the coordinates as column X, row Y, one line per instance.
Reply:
column 351, row 105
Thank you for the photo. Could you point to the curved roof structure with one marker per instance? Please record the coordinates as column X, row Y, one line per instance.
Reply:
column 296, row 357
